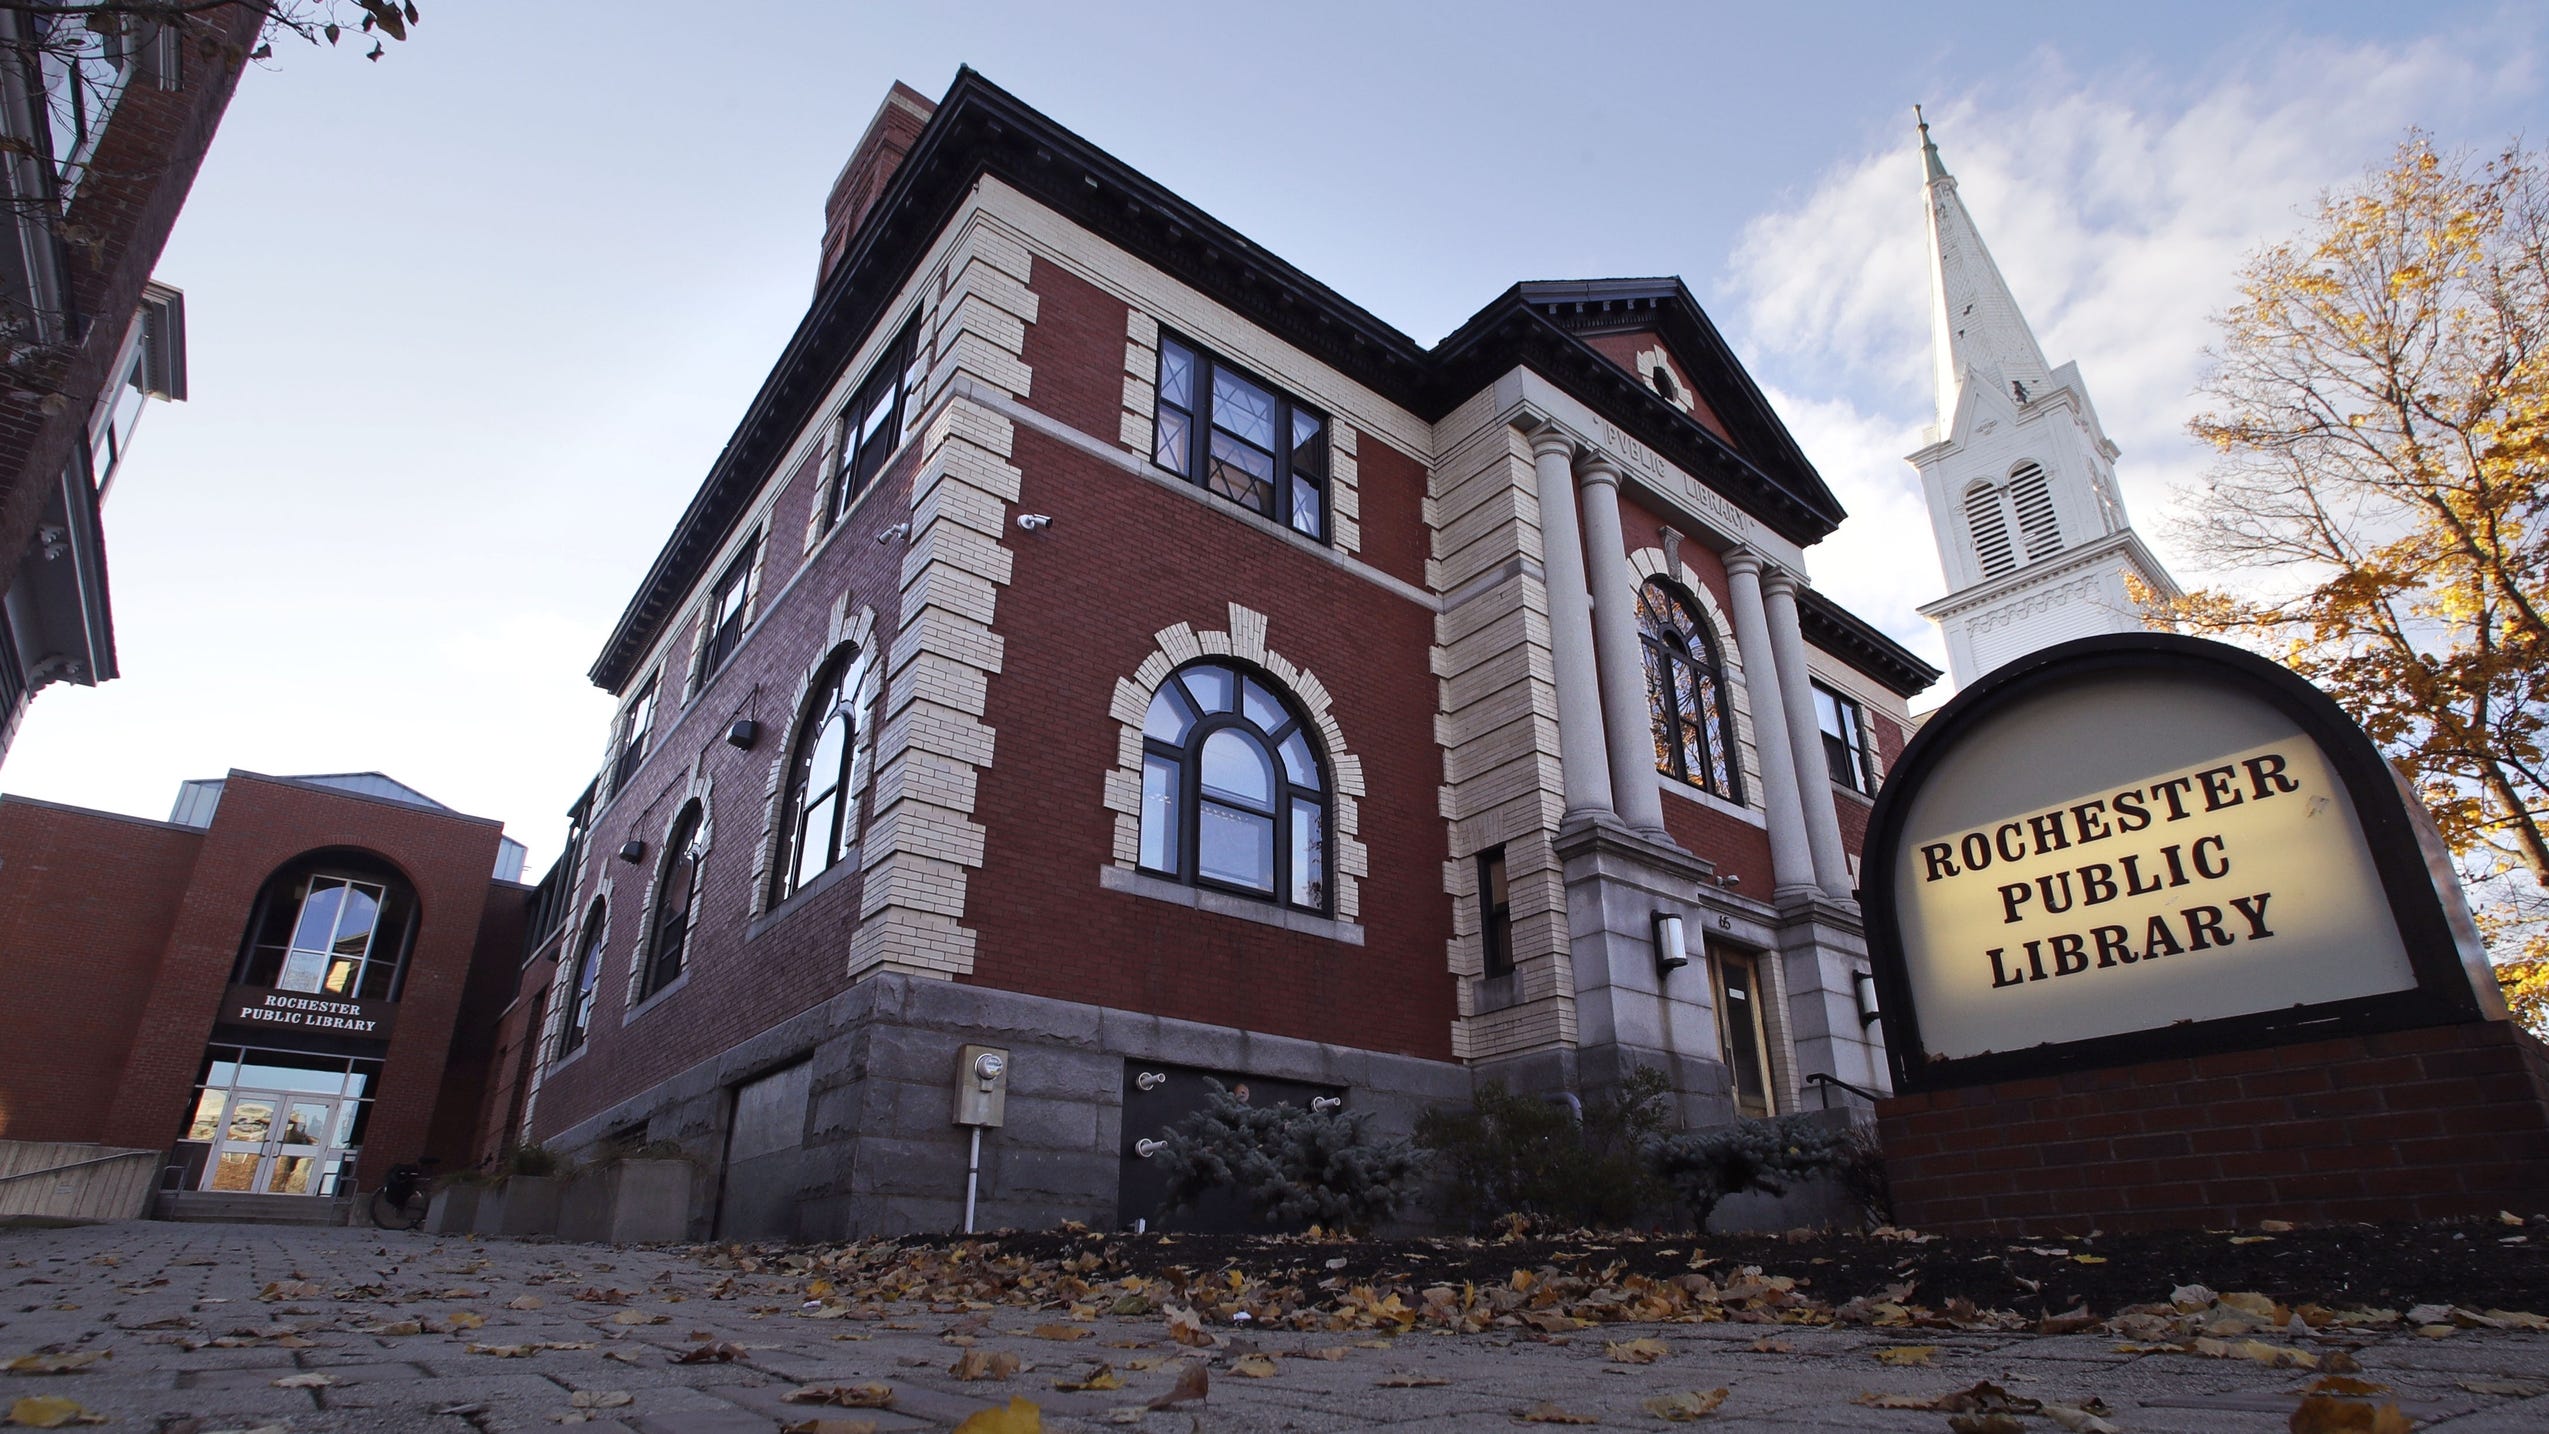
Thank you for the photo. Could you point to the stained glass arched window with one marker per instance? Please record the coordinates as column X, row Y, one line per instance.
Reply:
column 1686, row 692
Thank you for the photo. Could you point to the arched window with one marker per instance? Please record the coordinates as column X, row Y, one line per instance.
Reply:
column 1990, row 525
column 815, row 826
column 676, row 892
column 1233, row 793
column 331, row 923
column 1686, row 692
column 588, row 983
column 2033, row 498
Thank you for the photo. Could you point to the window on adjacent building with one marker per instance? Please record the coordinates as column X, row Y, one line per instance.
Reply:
column 1742, row 1028
column 727, row 601
column 676, row 894
column 332, row 926
column 1234, row 795
column 817, row 827
column 637, row 725
column 871, row 428
column 588, row 983
column 1845, row 750
column 1251, row 443
column 1686, row 692
column 1495, row 914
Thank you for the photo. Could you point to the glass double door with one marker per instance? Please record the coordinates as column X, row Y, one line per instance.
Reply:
column 268, row 1143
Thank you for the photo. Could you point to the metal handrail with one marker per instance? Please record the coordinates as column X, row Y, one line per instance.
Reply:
column 76, row 1165
column 1829, row 1081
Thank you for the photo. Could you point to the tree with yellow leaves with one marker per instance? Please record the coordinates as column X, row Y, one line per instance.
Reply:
column 2380, row 406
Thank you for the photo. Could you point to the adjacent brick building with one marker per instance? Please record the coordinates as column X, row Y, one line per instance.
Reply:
column 104, row 120
column 1103, row 642
column 272, row 983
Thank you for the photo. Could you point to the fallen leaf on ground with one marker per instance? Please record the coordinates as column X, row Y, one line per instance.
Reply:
column 2068, row 1322
column 1901, row 1355
column 1545, row 1412
column 715, row 1351
column 1193, row 1387
column 2273, row 1356
column 1683, row 1407
column 1254, row 1366
column 1983, row 1397
column 1019, row 1416
column 1985, row 1424
column 848, row 1396
column 830, row 1426
column 2518, row 1388
column 976, row 1364
column 525, row 1302
column 54, row 1363
column 1410, row 1381
column 1331, row 1352
column 459, row 1320
column 50, row 1411
column 602, row 1399
column 639, row 1317
column 305, row 1381
column 2321, row 1414
column 1636, row 1351
column 504, row 1351
column 291, row 1290
column 393, row 1329
column 1770, row 1345
column 1101, row 1378
column 2275, row 1227
column 1187, row 1328
column 1063, row 1332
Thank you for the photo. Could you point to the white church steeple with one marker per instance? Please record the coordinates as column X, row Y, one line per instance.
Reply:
column 2019, row 473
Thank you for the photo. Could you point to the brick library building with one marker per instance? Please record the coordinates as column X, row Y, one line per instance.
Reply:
column 1103, row 643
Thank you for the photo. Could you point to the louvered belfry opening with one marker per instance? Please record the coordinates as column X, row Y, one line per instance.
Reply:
column 1991, row 529
column 2033, row 499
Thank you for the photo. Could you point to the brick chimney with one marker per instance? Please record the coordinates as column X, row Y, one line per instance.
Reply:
column 880, row 151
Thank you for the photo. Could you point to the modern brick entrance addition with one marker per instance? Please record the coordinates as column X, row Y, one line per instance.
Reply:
column 2439, row 1121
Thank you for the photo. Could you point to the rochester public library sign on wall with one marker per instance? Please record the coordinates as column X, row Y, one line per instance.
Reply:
column 2140, row 845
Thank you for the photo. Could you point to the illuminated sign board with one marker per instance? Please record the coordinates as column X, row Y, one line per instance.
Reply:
column 2141, row 843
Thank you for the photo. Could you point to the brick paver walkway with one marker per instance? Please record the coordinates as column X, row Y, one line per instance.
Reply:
column 249, row 1328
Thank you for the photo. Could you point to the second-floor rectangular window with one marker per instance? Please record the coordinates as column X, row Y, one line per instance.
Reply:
column 727, row 601
column 1844, row 738
column 871, row 429
column 1229, row 434
column 637, row 723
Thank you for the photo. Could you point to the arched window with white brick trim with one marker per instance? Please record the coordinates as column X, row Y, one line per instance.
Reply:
column 1234, row 791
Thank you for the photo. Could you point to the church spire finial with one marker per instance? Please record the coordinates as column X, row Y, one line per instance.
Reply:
column 1930, row 162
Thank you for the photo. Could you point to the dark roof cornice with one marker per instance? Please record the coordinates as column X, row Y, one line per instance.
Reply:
column 980, row 129
column 1845, row 635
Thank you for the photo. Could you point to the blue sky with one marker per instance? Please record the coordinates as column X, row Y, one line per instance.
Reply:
column 468, row 325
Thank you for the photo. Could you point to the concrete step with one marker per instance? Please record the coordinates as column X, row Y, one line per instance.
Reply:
column 222, row 1207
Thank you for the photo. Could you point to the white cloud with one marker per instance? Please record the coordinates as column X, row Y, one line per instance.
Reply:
column 2120, row 217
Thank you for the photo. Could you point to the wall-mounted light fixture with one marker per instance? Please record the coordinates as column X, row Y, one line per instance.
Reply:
column 743, row 733
column 1863, row 986
column 633, row 851
column 1670, row 954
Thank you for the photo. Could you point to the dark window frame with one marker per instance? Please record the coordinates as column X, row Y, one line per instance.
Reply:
column 1672, row 636
column 1495, row 918
column 868, row 439
column 668, row 942
column 728, row 603
column 1187, row 756
column 1847, row 756
column 1751, row 1055
column 587, row 991
column 637, row 726
column 273, row 935
column 833, row 697
column 1194, row 454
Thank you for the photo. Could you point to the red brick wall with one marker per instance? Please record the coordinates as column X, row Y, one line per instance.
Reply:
column 516, row 1049
column 86, row 903
column 470, row 1069
column 2449, row 1120
column 261, row 825
column 1146, row 559
column 735, row 988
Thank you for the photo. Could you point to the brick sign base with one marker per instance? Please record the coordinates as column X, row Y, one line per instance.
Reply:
column 2419, row 1124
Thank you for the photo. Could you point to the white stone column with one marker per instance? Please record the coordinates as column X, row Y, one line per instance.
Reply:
column 1805, row 735
column 1791, row 857
column 1580, row 747
column 1615, row 646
